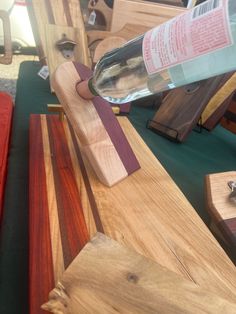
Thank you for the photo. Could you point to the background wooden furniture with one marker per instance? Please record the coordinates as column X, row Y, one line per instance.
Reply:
column 7, row 57
column 100, row 7
column 146, row 212
column 61, row 13
column 108, row 278
column 140, row 12
column 182, row 108
column 219, row 205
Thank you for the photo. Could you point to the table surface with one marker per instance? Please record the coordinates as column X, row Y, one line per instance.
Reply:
column 186, row 163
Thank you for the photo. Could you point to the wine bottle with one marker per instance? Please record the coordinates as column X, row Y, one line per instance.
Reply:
column 193, row 46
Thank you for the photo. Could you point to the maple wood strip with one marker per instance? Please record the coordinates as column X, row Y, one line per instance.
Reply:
column 109, row 278
column 74, row 236
column 57, row 253
column 49, row 10
column 41, row 278
column 97, row 219
column 78, row 170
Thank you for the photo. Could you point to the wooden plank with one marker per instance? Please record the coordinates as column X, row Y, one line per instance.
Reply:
column 141, row 12
column 229, row 119
column 6, row 111
column 146, row 212
column 54, row 33
column 102, row 140
column 219, row 205
column 109, row 278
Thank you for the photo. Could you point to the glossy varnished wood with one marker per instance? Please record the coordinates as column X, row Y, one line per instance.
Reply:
column 57, row 226
column 109, row 278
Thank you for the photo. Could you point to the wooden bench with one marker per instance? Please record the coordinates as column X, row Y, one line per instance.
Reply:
column 146, row 212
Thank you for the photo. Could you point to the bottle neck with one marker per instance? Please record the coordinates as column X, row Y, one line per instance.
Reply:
column 91, row 88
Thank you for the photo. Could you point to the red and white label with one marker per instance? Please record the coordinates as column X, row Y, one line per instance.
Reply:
column 201, row 30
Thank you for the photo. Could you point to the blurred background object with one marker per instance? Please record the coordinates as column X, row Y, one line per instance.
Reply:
column 21, row 32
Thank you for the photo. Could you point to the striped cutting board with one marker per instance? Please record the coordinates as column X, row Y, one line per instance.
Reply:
column 146, row 212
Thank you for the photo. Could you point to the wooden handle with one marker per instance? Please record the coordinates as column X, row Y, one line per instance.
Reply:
column 7, row 57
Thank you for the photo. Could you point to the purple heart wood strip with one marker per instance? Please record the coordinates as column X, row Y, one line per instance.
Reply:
column 111, row 125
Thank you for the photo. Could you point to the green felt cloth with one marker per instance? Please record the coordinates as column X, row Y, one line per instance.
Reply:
column 187, row 163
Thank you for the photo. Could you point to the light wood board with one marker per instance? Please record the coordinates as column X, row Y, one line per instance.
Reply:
column 108, row 278
column 54, row 56
column 146, row 212
column 143, row 13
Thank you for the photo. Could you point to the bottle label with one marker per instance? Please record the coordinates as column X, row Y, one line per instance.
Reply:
column 201, row 30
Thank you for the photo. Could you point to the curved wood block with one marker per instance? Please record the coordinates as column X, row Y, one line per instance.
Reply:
column 101, row 137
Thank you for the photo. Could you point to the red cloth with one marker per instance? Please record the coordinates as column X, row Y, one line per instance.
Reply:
column 6, row 109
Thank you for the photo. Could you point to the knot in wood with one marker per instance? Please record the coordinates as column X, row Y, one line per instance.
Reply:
column 133, row 278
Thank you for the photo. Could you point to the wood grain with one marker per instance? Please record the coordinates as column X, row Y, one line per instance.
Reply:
column 140, row 12
column 100, row 135
column 219, row 206
column 60, row 13
column 6, row 111
column 109, row 278
column 182, row 108
column 55, row 57
column 146, row 212
column 229, row 119
column 57, row 226
column 224, row 93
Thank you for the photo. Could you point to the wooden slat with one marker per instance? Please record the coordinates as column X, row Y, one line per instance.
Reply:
column 41, row 279
column 109, row 278
column 141, row 12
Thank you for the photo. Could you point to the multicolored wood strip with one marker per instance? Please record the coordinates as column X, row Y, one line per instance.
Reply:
column 57, row 225
column 146, row 212
column 6, row 111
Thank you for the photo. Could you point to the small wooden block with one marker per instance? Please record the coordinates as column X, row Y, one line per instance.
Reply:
column 219, row 206
column 108, row 278
column 101, row 137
